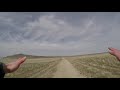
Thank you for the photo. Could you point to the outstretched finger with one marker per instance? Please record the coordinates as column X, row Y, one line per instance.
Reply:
column 112, row 49
column 21, row 60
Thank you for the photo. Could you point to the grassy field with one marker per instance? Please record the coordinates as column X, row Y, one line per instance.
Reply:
column 34, row 68
column 97, row 66
column 92, row 66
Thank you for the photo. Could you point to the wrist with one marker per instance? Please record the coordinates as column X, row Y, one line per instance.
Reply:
column 5, row 69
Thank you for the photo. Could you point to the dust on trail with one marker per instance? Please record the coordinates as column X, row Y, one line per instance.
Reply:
column 66, row 70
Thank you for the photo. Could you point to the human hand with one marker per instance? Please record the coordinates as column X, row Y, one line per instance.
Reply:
column 13, row 66
column 115, row 52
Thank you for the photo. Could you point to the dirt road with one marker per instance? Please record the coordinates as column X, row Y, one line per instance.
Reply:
column 66, row 70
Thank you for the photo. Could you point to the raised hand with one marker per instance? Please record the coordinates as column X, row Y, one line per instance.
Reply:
column 115, row 52
column 13, row 66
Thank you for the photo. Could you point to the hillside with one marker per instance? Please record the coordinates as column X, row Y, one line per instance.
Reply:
column 28, row 56
column 34, row 56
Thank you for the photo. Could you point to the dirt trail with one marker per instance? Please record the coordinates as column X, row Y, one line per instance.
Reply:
column 66, row 70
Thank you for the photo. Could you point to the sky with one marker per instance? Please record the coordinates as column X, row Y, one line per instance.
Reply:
column 58, row 33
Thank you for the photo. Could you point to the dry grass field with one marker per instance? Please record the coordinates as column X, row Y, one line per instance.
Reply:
column 97, row 66
column 89, row 66
column 34, row 68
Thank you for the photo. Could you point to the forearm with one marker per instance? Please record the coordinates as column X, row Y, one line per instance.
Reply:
column 2, row 72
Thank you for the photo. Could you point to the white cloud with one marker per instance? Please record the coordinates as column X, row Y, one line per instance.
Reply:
column 56, row 29
column 57, row 36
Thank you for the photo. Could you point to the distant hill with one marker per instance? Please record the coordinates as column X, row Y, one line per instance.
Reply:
column 28, row 56
column 33, row 56
column 93, row 54
column 89, row 54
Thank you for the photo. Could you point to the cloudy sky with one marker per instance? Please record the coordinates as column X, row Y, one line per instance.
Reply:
column 58, row 33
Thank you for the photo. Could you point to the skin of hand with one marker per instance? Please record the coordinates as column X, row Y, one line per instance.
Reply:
column 13, row 66
column 115, row 52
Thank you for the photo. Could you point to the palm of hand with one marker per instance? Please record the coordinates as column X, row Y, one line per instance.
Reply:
column 11, row 67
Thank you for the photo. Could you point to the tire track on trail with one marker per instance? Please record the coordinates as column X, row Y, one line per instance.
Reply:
column 66, row 70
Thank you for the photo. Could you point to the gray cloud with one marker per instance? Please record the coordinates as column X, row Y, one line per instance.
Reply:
column 58, row 33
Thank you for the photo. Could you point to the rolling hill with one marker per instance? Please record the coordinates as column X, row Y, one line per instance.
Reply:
column 28, row 56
